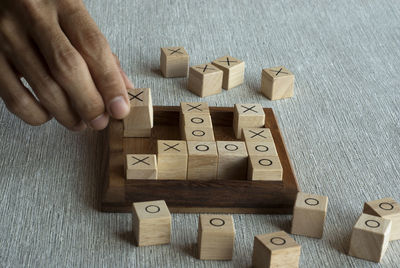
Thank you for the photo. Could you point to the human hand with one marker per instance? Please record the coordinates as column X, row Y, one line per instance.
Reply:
column 59, row 50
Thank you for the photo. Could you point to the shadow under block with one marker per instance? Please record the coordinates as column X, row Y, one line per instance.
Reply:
column 174, row 62
column 275, row 250
column 261, row 148
column 386, row 208
column 247, row 116
column 140, row 119
column 216, row 237
column 370, row 238
column 172, row 159
column 309, row 215
column 277, row 83
column 202, row 160
column 232, row 160
column 151, row 223
column 205, row 80
column 141, row 166
column 233, row 71
column 257, row 134
column 264, row 168
column 192, row 196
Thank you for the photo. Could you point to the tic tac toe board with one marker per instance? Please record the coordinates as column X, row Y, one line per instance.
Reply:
column 187, row 196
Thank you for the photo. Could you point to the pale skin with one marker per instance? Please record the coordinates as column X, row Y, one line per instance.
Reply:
column 59, row 50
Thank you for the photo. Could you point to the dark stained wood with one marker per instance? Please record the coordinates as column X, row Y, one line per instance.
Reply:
column 216, row 196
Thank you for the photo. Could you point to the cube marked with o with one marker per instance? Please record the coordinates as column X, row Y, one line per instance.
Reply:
column 386, row 208
column 141, row 167
column 370, row 238
column 309, row 215
column 139, row 121
column 216, row 237
column 198, row 134
column 247, row 116
column 233, row 71
column 151, row 223
column 232, row 160
column 205, row 80
column 261, row 148
column 172, row 159
column 174, row 62
column 202, row 160
column 277, row 83
column 257, row 134
column 264, row 168
column 275, row 250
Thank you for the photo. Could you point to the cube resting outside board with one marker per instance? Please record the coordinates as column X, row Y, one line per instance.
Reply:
column 172, row 159
column 277, row 83
column 216, row 237
column 141, row 167
column 386, row 208
column 309, row 215
column 202, row 160
column 247, row 116
column 275, row 250
column 205, row 80
column 264, row 168
column 370, row 238
column 232, row 160
column 174, row 62
column 233, row 71
column 139, row 122
column 151, row 223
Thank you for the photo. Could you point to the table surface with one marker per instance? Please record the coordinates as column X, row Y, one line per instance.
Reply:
column 342, row 129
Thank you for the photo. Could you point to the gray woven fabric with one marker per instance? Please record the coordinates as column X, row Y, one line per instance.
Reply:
column 342, row 129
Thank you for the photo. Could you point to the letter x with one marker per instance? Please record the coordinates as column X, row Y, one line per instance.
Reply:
column 249, row 109
column 171, row 147
column 278, row 72
column 227, row 61
column 140, row 161
column 132, row 97
column 175, row 51
column 205, row 68
column 257, row 134
column 195, row 107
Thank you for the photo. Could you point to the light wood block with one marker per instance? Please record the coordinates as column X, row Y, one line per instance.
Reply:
column 141, row 167
column 151, row 223
column 264, row 168
column 174, row 62
column 198, row 134
column 202, row 160
column 370, row 238
column 194, row 108
column 275, row 250
column 205, row 80
column 232, row 160
column 386, row 208
column 233, row 71
column 172, row 159
column 277, row 83
column 247, row 116
column 309, row 215
column 261, row 148
column 140, row 119
column 197, row 127
column 257, row 134
column 216, row 237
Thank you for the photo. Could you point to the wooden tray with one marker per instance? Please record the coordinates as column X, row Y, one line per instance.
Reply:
column 217, row 196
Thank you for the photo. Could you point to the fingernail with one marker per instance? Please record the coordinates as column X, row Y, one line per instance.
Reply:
column 128, row 82
column 99, row 122
column 118, row 107
column 79, row 127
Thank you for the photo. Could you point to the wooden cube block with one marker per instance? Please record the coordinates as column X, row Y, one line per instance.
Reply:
column 277, row 83
column 141, row 167
column 216, row 237
column 172, row 159
column 275, row 250
column 205, row 80
column 193, row 108
column 174, row 62
column 370, row 238
column 140, row 119
column 309, row 214
column 197, row 127
column 257, row 134
column 261, row 148
column 386, row 208
column 233, row 71
column 264, row 168
column 151, row 223
column 202, row 160
column 247, row 116
column 232, row 160
column 198, row 134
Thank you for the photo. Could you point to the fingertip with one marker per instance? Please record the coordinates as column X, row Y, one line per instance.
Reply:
column 118, row 107
column 99, row 122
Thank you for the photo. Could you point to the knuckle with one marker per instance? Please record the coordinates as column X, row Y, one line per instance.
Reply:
column 65, row 60
column 90, row 109
column 33, row 8
column 110, row 80
column 93, row 44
